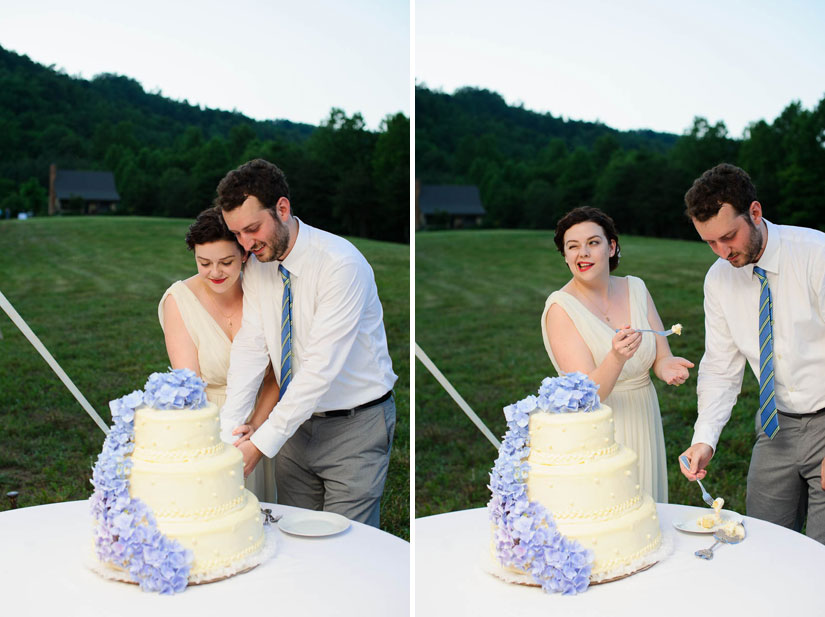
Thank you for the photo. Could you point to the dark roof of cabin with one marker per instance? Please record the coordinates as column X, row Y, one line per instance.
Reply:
column 92, row 185
column 450, row 198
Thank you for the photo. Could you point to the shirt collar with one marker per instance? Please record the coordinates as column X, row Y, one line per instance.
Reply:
column 297, row 255
column 769, row 261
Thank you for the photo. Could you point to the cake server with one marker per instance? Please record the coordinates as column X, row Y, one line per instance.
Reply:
column 705, row 495
column 721, row 536
column 707, row 553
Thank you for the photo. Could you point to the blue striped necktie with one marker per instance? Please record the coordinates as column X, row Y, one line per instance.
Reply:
column 286, row 332
column 767, row 405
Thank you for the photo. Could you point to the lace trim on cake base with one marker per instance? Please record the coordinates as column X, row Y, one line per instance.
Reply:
column 268, row 549
column 491, row 565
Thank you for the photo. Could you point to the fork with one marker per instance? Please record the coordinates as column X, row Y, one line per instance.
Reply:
column 268, row 516
column 659, row 332
column 705, row 495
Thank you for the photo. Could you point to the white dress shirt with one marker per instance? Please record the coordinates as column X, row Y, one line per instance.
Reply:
column 339, row 347
column 794, row 260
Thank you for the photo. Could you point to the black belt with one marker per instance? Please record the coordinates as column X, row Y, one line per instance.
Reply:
column 337, row 413
column 801, row 415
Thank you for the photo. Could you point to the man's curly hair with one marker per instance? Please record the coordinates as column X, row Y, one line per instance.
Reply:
column 724, row 184
column 257, row 177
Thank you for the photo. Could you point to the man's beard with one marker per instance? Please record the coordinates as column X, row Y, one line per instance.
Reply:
column 277, row 245
column 753, row 248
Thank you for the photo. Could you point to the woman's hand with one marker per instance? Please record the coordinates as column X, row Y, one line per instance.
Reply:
column 626, row 342
column 674, row 370
column 244, row 431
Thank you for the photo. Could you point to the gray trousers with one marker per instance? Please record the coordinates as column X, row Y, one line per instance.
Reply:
column 784, row 485
column 338, row 464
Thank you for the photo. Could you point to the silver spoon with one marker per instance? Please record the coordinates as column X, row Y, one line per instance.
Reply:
column 721, row 536
column 705, row 495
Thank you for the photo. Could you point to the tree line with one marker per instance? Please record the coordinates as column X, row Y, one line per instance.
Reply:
column 532, row 168
column 168, row 156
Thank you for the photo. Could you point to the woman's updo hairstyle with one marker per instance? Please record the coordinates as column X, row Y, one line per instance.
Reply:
column 210, row 227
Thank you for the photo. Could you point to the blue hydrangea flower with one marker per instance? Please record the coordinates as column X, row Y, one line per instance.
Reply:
column 525, row 534
column 126, row 532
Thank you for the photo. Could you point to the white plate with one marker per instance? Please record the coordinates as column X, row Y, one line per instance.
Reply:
column 313, row 524
column 691, row 524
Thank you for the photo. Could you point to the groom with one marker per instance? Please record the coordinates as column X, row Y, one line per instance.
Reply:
column 311, row 307
column 764, row 304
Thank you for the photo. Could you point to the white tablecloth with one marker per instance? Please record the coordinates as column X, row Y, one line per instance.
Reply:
column 44, row 551
column 773, row 572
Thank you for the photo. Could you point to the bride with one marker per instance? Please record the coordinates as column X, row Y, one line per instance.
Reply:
column 201, row 316
column 590, row 325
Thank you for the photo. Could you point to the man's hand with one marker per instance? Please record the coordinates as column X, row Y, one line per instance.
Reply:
column 699, row 455
column 251, row 456
column 244, row 432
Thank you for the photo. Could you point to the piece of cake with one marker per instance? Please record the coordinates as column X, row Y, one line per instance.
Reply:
column 169, row 505
column 677, row 329
column 566, row 505
column 708, row 521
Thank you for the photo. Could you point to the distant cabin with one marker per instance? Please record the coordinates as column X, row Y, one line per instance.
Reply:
column 448, row 205
column 81, row 192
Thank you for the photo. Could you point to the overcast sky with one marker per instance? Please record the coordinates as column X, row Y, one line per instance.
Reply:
column 267, row 59
column 630, row 64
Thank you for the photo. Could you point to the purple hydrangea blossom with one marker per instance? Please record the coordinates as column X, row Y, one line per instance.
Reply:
column 177, row 389
column 525, row 535
column 571, row 392
column 126, row 533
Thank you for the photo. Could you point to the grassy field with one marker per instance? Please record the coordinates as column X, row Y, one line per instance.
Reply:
column 89, row 288
column 479, row 298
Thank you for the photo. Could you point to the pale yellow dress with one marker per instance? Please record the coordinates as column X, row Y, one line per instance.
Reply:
column 213, row 358
column 635, row 406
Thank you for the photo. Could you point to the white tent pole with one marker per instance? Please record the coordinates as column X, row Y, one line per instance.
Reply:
column 425, row 360
column 27, row 332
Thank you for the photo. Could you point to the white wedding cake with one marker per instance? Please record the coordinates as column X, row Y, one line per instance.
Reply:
column 170, row 505
column 562, row 483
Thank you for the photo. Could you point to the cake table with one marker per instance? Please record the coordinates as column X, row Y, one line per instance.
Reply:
column 450, row 578
column 360, row 572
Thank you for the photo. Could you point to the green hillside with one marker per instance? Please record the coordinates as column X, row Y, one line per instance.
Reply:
column 532, row 167
column 168, row 156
